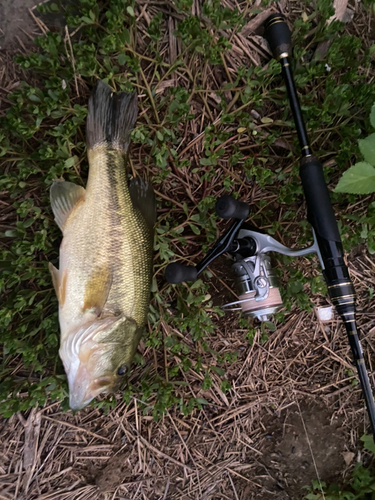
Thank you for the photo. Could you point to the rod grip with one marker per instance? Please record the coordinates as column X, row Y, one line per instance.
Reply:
column 278, row 35
column 321, row 216
column 320, row 213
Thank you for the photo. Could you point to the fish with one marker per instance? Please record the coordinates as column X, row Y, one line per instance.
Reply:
column 106, row 254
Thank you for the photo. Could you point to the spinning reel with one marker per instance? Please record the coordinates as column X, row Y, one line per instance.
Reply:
column 256, row 282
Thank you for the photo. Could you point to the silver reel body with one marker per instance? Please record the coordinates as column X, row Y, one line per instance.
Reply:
column 256, row 282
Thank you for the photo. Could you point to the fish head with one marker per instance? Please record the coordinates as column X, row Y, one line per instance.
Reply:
column 97, row 356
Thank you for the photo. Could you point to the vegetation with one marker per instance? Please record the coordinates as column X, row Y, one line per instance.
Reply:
column 360, row 178
column 246, row 138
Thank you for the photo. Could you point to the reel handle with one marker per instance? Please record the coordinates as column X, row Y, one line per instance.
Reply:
column 278, row 35
column 228, row 207
column 177, row 273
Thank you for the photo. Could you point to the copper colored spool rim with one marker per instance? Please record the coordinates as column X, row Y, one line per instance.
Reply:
column 274, row 299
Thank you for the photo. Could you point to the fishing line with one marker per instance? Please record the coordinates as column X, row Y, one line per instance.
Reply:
column 309, row 444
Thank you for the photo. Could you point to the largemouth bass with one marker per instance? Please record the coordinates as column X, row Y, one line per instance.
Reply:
column 105, row 267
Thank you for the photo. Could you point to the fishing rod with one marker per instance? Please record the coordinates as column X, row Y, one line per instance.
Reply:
column 320, row 213
column 256, row 282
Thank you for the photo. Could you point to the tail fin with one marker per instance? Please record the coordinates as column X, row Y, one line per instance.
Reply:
column 111, row 117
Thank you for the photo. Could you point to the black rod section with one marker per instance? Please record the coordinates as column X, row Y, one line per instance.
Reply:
column 294, row 104
column 320, row 213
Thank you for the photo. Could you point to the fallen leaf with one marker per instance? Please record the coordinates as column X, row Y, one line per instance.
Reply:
column 348, row 457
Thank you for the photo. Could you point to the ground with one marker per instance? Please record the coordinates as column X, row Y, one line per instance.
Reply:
column 16, row 22
column 278, row 430
column 293, row 413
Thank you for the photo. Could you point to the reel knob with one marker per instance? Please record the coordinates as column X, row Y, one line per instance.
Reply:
column 228, row 208
column 177, row 273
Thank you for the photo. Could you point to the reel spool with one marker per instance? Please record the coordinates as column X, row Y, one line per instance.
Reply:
column 259, row 296
column 256, row 282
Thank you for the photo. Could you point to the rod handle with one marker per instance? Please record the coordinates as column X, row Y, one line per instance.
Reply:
column 278, row 35
column 177, row 273
column 320, row 213
column 229, row 208
column 321, row 216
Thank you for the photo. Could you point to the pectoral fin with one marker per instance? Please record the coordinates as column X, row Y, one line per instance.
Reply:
column 97, row 290
column 143, row 198
column 64, row 198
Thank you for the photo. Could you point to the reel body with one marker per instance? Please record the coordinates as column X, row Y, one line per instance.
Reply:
column 256, row 282
column 258, row 294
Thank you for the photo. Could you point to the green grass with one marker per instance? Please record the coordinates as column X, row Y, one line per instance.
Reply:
column 42, row 137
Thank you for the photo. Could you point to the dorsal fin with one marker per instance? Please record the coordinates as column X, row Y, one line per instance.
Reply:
column 64, row 197
column 143, row 198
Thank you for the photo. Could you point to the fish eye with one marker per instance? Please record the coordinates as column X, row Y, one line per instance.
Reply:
column 122, row 370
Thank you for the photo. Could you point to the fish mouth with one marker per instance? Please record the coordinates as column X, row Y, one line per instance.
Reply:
column 82, row 389
column 76, row 404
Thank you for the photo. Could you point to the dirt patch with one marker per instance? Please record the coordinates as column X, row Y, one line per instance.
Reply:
column 16, row 21
column 20, row 23
column 304, row 443
column 117, row 471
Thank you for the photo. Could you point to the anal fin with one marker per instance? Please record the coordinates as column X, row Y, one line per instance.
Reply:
column 58, row 284
column 55, row 277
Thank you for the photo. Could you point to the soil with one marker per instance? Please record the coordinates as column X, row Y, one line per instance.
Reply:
column 19, row 23
column 302, row 444
column 114, row 473
column 16, row 21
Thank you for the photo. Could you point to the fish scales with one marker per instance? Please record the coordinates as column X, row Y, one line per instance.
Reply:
column 108, row 232
column 105, row 274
